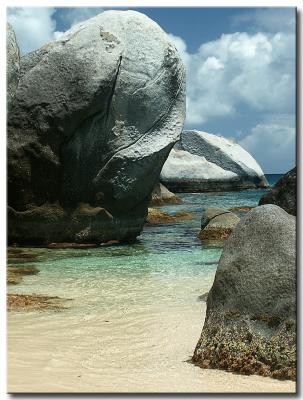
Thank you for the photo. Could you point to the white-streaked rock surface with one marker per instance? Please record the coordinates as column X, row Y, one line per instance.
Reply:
column 12, row 62
column 203, row 161
column 94, row 117
column 182, row 165
column 221, row 151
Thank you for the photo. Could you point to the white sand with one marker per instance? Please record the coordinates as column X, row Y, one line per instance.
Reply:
column 133, row 352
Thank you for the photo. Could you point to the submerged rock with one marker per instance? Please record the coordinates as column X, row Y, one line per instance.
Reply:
column 15, row 275
column 217, row 223
column 284, row 193
column 241, row 209
column 161, row 195
column 156, row 216
column 250, row 324
column 203, row 297
column 202, row 161
column 13, row 279
column 21, row 255
column 19, row 302
column 93, row 118
column 71, row 245
column 23, row 270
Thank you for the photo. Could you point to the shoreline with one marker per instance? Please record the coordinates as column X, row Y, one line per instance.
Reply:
column 105, row 363
column 134, row 320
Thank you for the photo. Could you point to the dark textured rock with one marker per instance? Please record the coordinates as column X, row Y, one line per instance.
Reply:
column 250, row 324
column 284, row 193
column 93, row 119
column 203, row 297
column 217, row 223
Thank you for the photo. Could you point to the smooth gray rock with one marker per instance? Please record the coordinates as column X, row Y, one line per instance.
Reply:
column 94, row 117
column 284, row 193
column 210, row 213
column 161, row 195
column 251, row 308
column 12, row 63
column 217, row 223
column 202, row 161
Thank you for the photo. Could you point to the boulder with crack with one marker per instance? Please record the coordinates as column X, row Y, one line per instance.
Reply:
column 93, row 118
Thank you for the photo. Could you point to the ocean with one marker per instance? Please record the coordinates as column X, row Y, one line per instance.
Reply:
column 134, row 314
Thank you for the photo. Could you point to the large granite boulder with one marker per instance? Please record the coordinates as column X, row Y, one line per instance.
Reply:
column 284, row 193
column 202, row 161
column 250, row 324
column 13, row 63
column 217, row 223
column 94, row 117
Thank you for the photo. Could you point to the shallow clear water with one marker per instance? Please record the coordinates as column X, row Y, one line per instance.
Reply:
column 134, row 315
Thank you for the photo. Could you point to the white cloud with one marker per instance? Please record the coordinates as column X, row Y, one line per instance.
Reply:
column 257, row 70
column 33, row 26
column 273, row 19
column 273, row 144
column 254, row 70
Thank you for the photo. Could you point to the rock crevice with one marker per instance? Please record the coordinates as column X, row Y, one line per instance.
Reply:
column 78, row 132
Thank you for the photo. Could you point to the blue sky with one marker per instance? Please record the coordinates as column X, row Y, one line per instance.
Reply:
column 240, row 69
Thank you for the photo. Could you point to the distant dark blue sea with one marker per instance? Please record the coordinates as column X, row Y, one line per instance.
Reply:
column 273, row 178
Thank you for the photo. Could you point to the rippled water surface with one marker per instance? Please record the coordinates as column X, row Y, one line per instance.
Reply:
column 134, row 316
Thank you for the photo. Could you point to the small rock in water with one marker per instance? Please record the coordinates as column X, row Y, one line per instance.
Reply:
column 13, row 279
column 23, row 270
column 217, row 223
column 159, row 217
column 110, row 243
column 161, row 195
column 203, row 297
column 16, row 302
column 241, row 209
column 71, row 245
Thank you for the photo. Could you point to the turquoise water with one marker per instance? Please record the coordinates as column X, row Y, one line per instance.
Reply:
column 134, row 316
column 169, row 252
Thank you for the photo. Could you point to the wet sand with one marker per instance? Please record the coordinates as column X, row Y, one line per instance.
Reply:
column 146, row 352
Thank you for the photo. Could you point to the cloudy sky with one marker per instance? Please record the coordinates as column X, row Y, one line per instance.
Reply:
column 240, row 69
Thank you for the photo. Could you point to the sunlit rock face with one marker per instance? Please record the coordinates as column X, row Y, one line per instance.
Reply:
column 13, row 63
column 250, row 324
column 202, row 161
column 94, row 116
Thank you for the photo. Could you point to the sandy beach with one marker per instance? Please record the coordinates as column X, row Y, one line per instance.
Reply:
column 118, row 352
